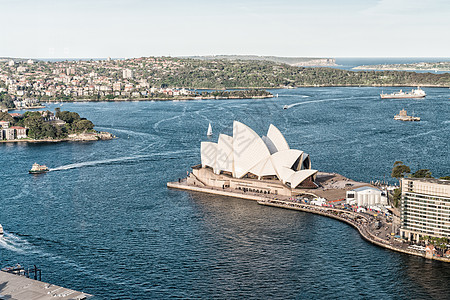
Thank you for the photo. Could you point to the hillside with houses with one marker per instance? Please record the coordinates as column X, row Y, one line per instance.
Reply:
column 27, row 83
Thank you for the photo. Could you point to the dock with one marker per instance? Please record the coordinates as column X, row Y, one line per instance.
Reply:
column 23, row 288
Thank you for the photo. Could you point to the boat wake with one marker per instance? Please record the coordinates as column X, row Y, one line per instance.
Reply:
column 417, row 135
column 14, row 243
column 312, row 101
column 156, row 125
column 295, row 96
column 128, row 132
column 111, row 160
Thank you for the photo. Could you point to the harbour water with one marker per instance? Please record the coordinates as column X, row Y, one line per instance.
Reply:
column 102, row 220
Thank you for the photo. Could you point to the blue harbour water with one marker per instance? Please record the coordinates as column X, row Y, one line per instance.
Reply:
column 102, row 220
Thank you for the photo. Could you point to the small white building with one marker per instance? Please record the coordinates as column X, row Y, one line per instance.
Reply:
column 319, row 201
column 366, row 196
column 4, row 124
column 127, row 73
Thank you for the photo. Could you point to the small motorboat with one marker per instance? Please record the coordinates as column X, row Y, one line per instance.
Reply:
column 1, row 230
column 38, row 169
column 285, row 107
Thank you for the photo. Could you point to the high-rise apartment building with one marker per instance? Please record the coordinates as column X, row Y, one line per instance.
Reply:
column 425, row 208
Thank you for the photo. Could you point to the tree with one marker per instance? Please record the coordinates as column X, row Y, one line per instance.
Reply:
column 399, row 170
column 34, row 122
column 6, row 100
column 396, row 197
column 422, row 173
column 68, row 117
column 4, row 116
column 83, row 125
column 445, row 177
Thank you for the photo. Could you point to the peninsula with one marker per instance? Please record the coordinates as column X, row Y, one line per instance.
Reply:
column 292, row 61
column 46, row 126
column 422, row 66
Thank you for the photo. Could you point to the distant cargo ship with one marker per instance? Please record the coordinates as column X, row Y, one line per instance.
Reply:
column 417, row 93
column 38, row 169
column 403, row 116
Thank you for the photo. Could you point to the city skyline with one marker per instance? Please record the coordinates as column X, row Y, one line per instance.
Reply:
column 82, row 29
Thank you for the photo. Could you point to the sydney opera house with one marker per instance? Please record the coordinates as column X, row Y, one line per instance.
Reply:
column 248, row 162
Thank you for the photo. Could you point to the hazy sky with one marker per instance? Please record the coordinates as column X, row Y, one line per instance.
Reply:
column 313, row 28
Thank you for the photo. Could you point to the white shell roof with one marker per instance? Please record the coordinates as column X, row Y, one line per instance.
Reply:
column 247, row 152
column 277, row 138
column 299, row 176
column 224, row 156
column 208, row 153
column 248, row 149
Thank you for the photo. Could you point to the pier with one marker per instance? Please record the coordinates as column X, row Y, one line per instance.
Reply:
column 22, row 288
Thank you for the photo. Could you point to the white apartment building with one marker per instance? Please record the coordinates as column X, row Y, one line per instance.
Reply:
column 127, row 73
column 425, row 208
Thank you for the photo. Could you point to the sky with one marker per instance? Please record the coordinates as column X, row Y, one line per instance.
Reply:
column 302, row 28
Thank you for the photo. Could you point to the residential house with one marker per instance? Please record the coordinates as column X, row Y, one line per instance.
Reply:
column 8, row 133
column 4, row 124
column 21, row 132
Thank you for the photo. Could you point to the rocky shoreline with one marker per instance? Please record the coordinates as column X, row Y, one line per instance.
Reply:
column 81, row 137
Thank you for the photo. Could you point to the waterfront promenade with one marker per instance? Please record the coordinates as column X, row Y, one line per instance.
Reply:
column 22, row 288
column 363, row 222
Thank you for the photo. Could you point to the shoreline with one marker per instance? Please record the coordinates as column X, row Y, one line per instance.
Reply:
column 156, row 99
column 30, row 107
column 423, row 66
column 57, row 101
column 85, row 137
column 335, row 213
column 401, row 69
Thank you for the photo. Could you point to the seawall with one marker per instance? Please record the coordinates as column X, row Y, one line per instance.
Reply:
column 319, row 210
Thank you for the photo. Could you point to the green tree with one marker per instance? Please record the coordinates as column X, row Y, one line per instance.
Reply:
column 83, row 125
column 68, row 116
column 399, row 170
column 445, row 177
column 6, row 100
column 422, row 173
column 396, row 197
column 35, row 123
column 4, row 116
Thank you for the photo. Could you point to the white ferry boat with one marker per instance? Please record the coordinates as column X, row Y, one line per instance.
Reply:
column 38, row 169
column 417, row 93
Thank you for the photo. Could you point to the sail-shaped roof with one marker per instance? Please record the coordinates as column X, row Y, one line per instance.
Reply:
column 208, row 152
column 224, row 156
column 248, row 149
column 277, row 138
column 246, row 152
